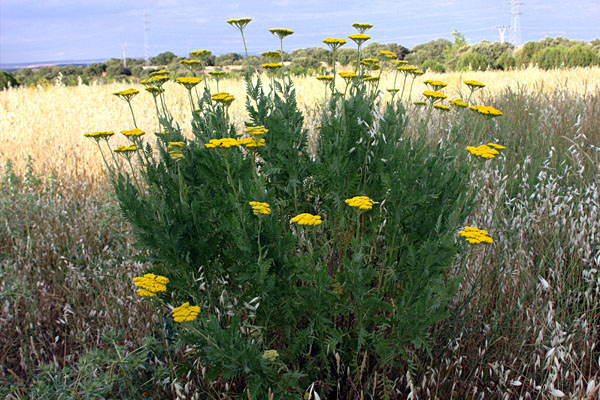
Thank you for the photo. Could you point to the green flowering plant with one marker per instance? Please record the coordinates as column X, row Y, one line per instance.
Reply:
column 305, row 268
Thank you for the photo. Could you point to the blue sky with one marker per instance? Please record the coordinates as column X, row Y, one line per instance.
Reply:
column 51, row 30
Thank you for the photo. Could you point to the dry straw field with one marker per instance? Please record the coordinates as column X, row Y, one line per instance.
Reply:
column 526, row 321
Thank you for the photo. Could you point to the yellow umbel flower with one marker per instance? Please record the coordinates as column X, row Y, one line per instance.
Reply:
column 157, row 80
column 307, row 219
column 281, row 32
column 150, row 284
column 185, row 313
column 99, row 135
column 175, row 150
column 441, row 107
column 325, row 78
column 334, row 43
column 154, row 91
column 348, row 76
column 387, row 53
column 125, row 150
column 434, row 95
column 435, row 85
column 474, row 235
column 224, row 143
column 190, row 63
column 483, row 151
column 239, row 23
column 201, row 54
column 217, row 74
column 160, row 72
column 370, row 79
column 260, row 208
column 270, row 355
column 362, row 203
column 487, row 111
column 223, row 98
column 474, row 85
column 175, row 146
column 406, row 68
column 133, row 132
column 497, row 146
column 188, row 81
column 416, row 72
column 256, row 131
column 251, row 142
column 126, row 95
column 419, row 103
column 399, row 62
column 458, row 103
column 272, row 66
column 362, row 27
column 272, row 55
column 359, row 38
column 393, row 91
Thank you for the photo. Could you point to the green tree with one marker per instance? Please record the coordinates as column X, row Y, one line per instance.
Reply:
column 228, row 59
column 524, row 56
column 581, row 56
column 433, row 50
column 7, row 80
column 551, row 57
column 432, row 65
column 473, row 61
column 505, row 62
column 163, row 58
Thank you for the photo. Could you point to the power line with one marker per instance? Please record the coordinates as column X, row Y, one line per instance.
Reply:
column 146, row 38
column 515, row 24
column 501, row 31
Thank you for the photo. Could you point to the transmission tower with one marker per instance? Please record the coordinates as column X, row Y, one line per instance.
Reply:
column 146, row 38
column 123, row 46
column 501, row 31
column 515, row 25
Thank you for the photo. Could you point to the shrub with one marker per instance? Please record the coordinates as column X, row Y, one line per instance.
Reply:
column 551, row 57
column 473, row 61
column 7, row 80
column 505, row 62
column 432, row 65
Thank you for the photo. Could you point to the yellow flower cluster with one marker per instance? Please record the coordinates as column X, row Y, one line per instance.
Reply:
column 272, row 66
column 188, row 81
column 272, row 54
column 325, row 78
column 441, row 107
column 370, row 79
column 497, row 146
column 185, row 312
column 190, row 63
column 175, row 150
column 419, row 103
column 307, row 219
column 387, row 53
column 361, row 202
column 223, row 143
column 270, row 355
column 359, row 38
column 474, row 85
column 251, row 142
column 126, row 95
column 416, row 72
column 200, row 53
column 150, row 284
column 483, row 151
column 133, row 132
column 348, row 75
column 125, row 150
column 99, row 135
column 434, row 95
column 475, row 236
column 216, row 74
column 435, row 85
column 458, row 103
column 156, row 80
column 334, row 43
column 406, row 68
column 160, row 72
column 256, row 131
column 223, row 98
column 154, row 91
column 487, row 111
column 281, row 32
column 362, row 27
column 393, row 91
column 260, row 208
column 400, row 62
column 371, row 64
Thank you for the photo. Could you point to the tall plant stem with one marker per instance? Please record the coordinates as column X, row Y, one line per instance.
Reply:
column 132, row 114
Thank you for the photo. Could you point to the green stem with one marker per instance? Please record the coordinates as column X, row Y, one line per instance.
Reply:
column 403, row 86
column 132, row 115
column 411, row 87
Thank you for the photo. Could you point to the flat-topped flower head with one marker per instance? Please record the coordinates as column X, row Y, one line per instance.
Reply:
column 307, row 219
column 434, row 95
column 260, row 208
column 97, row 136
column 217, row 74
column 474, row 85
column 416, row 72
column 251, row 142
column 223, row 98
column 348, row 76
column 362, row 203
column 334, row 43
column 126, row 151
column 474, row 235
column 154, row 91
column 126, row 95
column 441, row 107
column 256, row 131
column 419, row 103
column 362, row 27
column 369, row 64
column 175, row 146
column 400, row 62
column 239, row 23
column 133, row 133
column 406, row 69
column 272, row 55
column 370, row 79
column 224, row 143
column 393, row 91
column 200, row 54
column 281, row 32
column 325, row 78
column 188, row 81
column 150, row 284
column 190, row 63
column 156, row 80
column 185, row 313
column 272, row 66
column 387, row 54
column 487, row 111
column 160, row 72
column 435, row 85
column 483, row 151
column 497, row 146
column 359, row 38
column 459, row 103
column 175, row 150
column 270, row 355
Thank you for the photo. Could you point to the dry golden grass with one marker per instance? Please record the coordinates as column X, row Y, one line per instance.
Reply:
column 47, row 123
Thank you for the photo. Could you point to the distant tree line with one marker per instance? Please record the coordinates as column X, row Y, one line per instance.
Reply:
column 438, row 55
